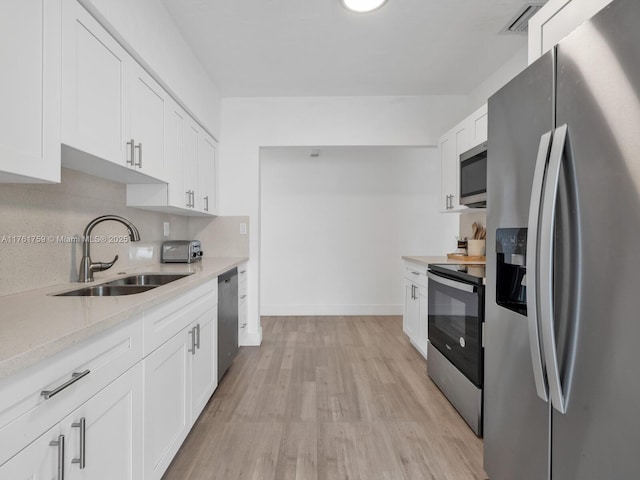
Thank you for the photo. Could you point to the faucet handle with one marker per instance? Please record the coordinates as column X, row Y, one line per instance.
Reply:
column 102, row 266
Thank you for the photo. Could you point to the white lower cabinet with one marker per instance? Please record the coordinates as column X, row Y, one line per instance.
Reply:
column 180, row 377
column 116, row 406
column 104, row 436
column 204, row 361
column 101, row 439
column 415, row 320
column 38, row 461
column 166, row 404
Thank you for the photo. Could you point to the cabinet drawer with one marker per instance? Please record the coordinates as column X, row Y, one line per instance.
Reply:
column 416, row 273
column 166, row 320
column 25, row 412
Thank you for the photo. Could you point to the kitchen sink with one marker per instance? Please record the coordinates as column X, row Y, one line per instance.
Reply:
column 126, row 285
column 155, row 279
column 107, row 290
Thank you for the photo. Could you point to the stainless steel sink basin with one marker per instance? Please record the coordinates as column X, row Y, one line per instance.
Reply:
column 126, row 285
column 107, row 290
column 155, row 279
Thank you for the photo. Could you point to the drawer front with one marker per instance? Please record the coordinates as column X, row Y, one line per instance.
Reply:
column 25, row 413
column 166, row 320
column 416, row 273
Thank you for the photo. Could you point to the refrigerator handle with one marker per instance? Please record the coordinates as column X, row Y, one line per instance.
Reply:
column 533, row 234
column 547, row 229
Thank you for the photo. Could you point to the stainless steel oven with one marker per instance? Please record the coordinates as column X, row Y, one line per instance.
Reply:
column 456, row 354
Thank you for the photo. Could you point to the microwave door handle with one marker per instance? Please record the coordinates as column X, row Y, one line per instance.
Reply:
column 466, row 287
column 547, row 228
column 533, row 233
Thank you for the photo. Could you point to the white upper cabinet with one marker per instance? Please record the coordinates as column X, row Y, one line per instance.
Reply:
column 472, row 131
column 30, row 49
column 190, row 169
column 207, row 174
column 113, row 112
column 148, row 116
column 557, row 19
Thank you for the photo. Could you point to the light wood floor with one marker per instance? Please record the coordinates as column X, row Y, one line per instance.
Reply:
column 329, row 398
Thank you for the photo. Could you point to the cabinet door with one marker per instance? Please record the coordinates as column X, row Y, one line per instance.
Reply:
column 30, row 49
column 557, row 19
column 410, row 318
column 478, row 127
column 448, row 175
column 148, row 113
column 167, row 418
column 175, row 154
column 95, row 87
column 38, row 461
column 112, row 434
column 207, row 174
column 191, row 145
column 204, row 362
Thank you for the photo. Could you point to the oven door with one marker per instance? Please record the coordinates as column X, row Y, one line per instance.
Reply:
column 456, row 314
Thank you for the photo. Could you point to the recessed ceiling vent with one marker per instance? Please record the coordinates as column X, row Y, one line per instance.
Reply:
column 520, row 22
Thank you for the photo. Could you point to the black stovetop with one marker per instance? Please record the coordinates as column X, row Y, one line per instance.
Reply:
column 472, row 273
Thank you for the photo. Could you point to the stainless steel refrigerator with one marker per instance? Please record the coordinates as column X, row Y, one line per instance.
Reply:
column 562, row 326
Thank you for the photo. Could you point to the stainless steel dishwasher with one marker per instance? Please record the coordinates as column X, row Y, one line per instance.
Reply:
column 227, row 320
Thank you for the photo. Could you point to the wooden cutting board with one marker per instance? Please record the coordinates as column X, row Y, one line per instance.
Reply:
column 465, row 258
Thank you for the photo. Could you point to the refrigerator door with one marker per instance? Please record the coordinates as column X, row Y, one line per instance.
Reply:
column 598, row 97
column 516, row 420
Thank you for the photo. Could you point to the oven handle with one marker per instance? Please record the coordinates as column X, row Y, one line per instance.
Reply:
column 465, row 287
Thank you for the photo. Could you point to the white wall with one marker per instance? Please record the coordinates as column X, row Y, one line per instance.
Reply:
column 145, row 27
column 251, row 123
column 512, row 67
column 334, row 228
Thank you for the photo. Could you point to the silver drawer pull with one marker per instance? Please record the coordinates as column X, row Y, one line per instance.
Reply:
column 243, row 271
column 47, row 394
column 82, row 425
column 60, row 444
column 415, row 273
column 243, row 325
column 242, row 297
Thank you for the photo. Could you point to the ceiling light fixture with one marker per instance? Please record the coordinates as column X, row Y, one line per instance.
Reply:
column 362, row 6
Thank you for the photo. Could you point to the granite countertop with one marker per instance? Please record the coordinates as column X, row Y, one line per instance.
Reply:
column 427, row 260
column 35, row 325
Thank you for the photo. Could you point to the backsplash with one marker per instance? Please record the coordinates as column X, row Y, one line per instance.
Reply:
column 466, row 222
column 39, row 224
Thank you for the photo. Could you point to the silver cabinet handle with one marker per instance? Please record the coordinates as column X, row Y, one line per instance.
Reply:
column 206, row 199
column 197, row 345
column 60, row 444
column 243, row 271
column 243, row 325
column 415, row 273
column 547, row 233
column 47, row 394
column 465, row 287
column 533, row 232
column 242, row 297
column 82, row 425
column 132, row 152
column 192, row 332
column 139, row 147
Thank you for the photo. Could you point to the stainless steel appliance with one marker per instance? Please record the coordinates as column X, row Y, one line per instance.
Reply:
column 561, row 388
column 473, row 177
column 181, row 251
column 455, row 354
column 227, row 320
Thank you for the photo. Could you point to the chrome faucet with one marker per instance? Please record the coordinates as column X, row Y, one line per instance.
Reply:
column 86, row 266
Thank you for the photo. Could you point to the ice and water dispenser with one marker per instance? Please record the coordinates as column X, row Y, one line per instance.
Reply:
column 511, row 275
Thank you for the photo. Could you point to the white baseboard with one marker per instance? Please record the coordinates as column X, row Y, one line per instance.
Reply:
column 334, row 310
column 251, row 339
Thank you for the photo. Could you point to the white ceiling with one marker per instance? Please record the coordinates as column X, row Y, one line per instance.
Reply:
column 316, row 47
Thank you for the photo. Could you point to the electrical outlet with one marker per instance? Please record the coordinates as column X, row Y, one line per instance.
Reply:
column 243, row 228
column 167, row 229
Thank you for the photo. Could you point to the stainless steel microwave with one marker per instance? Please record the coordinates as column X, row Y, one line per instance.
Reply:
column 473, row 177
